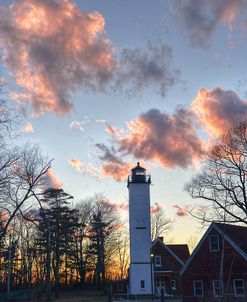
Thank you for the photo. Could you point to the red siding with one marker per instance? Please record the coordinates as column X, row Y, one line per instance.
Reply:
column 168, row 261
column 205, row 266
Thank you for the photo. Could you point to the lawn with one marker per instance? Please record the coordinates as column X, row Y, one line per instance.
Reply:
column 69, row 296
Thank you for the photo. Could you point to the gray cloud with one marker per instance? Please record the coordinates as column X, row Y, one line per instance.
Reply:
column 201, row 18
column 112, row 164
column 150, row 67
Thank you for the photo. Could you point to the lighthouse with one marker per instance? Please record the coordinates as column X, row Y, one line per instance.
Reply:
column 140, row 271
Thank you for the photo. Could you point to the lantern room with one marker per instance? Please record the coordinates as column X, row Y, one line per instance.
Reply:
column 138, row 175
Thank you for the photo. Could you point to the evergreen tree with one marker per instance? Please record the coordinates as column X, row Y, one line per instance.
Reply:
column 57, row 226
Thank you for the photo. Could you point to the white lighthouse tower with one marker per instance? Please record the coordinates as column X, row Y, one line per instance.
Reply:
column 140, row 272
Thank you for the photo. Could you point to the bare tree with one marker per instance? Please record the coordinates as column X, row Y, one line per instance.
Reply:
column 123, row 254
column 222, row 182
column 161, row 225
column 84, row 208
column 20, row 177
column 104, row 224
column 192, row 242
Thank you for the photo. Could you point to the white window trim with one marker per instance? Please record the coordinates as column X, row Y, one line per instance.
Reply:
column 157, row 257
column 236, row 295
column 215, row 287
column 175, row 285
column 194, row 281
column 217, row 241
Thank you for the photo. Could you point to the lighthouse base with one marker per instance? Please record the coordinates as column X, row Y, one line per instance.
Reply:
column 140, row 279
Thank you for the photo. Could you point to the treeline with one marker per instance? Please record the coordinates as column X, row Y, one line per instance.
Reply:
column 45, row 242
column 57, row 245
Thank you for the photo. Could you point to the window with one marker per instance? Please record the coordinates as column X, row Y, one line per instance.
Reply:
column 140, row 224
column 173, row 283
column 142, row 284
column 214, row 243
column 120, row 287
column 238, row 287
column 198, row 288
column 157, row 260
column 218, row 288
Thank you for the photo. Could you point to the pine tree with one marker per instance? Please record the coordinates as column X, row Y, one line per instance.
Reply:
column 57, row 226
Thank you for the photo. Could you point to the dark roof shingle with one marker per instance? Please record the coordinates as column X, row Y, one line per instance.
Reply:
column 180, row 250
column 237, row 233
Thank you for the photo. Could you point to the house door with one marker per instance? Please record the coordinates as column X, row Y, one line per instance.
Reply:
column 159, row 284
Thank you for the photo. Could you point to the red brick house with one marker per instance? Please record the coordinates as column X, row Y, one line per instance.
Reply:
column 119, row 287
column 217, row 268
column 168, row 259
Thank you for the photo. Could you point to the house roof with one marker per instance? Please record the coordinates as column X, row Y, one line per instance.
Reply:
column 181, row 250
column 235, row 235
column 178, row 251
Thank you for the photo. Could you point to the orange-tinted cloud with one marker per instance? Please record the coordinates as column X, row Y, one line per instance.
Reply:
column 52, row 48
column 77, row 164
column 170, row 140
column 156, row 208
column 51, row 180
column 86, row 169
column 113, row 166
column 218, row 109
column 28, row 128
column 180, row 211
column 201, row 18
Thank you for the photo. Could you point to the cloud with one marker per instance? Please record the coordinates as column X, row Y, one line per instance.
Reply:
column 77, row 164
column 113, row 166
column 51, row 181
column 86, row 169
column 167, row 139
column 180, row 211
column 77, row 125
column 117, row 206
column 217, row 110
column 201, row 18
column 156, row 208
column 28, row 128
column 151, row 67
column 51, row 48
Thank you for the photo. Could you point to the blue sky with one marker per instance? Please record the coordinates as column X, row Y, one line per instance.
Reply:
column 194, row 45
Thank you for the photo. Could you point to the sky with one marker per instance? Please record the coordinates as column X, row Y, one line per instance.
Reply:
column 102, row 84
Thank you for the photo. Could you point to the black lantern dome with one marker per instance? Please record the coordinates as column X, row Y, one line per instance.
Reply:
column 138, row 175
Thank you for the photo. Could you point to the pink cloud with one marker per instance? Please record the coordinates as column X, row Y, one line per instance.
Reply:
column 156, row 208
column 51, row 181
column 52, row 48
column 117, row 206
column 86, row 169
column 218, row 110
column 112, row 165
column 77, row 164
column 180, row 211
column 170, row 140
column 28, row 128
